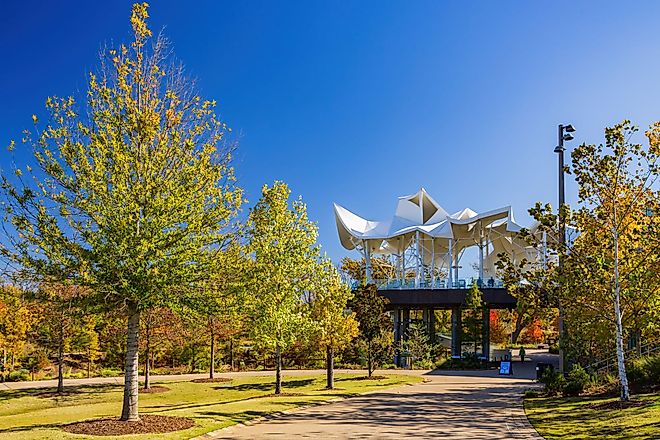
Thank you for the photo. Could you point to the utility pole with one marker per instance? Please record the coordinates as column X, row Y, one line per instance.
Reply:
column 564, row 134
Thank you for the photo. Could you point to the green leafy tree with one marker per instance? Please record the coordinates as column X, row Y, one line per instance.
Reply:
column 375, row 326
column 61, row 313
column 473, row 317
column 614, row 260
column 282, row 243
column 381, row 269
column 86, row 339
column 609, row 281
column 418, row 344
column 132, row 193
column 335, row 326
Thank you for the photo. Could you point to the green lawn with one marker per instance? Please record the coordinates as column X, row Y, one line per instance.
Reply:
column 23, row 415
column 569, row 418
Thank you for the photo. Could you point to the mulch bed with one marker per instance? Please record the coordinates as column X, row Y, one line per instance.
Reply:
column 148, row 424
column 369, row 378
column 618, row 404
column 214, row 380
column 153, row 389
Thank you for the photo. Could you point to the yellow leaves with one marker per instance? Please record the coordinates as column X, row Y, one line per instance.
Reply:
column 12, row 146
column 34, row 119
column 139, row 17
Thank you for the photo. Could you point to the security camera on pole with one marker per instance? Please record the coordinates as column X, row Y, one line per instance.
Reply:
column 564, row 134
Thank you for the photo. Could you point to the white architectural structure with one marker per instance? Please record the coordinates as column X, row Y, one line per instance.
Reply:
column 425, row 243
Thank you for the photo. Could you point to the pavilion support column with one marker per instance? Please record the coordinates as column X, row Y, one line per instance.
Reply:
column 403, row 267
column 404, row 334
column 397, row 337
column 456, row 332
column 405, row 324
column 456, row 266
column 431, row 325
column 418, row 269
column 485, row 333
column 432, row 263
column 451, row 263
column 481, row 256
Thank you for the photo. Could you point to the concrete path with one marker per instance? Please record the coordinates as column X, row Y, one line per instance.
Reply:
column 450, row 405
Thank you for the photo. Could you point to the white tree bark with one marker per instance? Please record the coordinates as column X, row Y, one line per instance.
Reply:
column 623, row 378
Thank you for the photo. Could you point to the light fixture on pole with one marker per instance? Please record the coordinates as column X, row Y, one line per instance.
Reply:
column 564, row 134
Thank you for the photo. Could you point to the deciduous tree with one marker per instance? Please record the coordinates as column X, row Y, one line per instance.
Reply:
column 375, row 326
column 282, row 243
column 132, row 192
column 335, row 326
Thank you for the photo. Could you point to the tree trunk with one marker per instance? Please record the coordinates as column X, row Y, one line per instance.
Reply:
column 623, row 378
column 212, row 369
column 330, row 367
column 369, row 361
column 519, row 327
column 278, row 371
column 4, row 364
column 129, row 411
column 60, row 359
column 231, row 354
column 147, row 382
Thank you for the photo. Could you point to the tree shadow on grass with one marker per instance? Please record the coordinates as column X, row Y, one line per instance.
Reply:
column 267, row 386
column 73, row 391
column 29, row 428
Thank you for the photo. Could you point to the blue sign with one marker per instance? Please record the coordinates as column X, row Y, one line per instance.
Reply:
column 505, row 368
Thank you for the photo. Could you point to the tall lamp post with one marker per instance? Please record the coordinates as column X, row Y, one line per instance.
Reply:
column 564, row 134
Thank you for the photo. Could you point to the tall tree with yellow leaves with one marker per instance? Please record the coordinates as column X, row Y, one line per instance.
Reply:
column 133, row 189
column 335, row 326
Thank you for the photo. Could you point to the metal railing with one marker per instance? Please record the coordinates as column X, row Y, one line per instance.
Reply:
column 606, row 365
column 461, row 283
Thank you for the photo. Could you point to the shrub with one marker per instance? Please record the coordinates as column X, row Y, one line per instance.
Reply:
column 578, row 379
column 110, row 372
column 468, row 362
column 644, row 372
column 554, row 383
column 423, row 364
column 531, row 394
column 553, row 349
column 19, row 376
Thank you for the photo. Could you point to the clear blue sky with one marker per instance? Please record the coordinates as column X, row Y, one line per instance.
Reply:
column 360, row 102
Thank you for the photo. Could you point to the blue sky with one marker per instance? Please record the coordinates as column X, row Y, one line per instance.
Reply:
column 360, row 102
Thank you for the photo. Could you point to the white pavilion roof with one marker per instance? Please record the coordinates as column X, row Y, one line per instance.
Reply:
column 420, row 212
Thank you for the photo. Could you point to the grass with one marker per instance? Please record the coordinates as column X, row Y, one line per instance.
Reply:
column 25, row 415
column 569, row 418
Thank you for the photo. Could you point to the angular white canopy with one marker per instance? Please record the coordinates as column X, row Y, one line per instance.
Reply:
column 421, row 222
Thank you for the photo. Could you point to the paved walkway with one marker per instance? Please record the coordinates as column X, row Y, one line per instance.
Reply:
column 449, row 405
